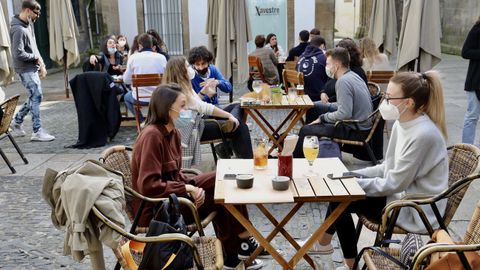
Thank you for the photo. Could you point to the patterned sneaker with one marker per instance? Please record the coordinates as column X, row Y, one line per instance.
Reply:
column 41, row 136
column 17, row 130
column 232, row 263
column 248, row 246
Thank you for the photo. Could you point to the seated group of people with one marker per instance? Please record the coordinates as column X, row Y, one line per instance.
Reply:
column 413, row 100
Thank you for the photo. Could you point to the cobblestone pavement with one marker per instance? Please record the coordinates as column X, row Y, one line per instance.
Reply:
column 28, row 240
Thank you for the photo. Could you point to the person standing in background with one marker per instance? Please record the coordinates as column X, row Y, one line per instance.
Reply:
column 29, row 66
column 471, row 51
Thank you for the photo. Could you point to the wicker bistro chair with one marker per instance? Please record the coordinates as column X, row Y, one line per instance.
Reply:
column 464, row 160
column 471, row 242
column 207, row 251
column 8, row 108
column 118, row 158
column 141, row 80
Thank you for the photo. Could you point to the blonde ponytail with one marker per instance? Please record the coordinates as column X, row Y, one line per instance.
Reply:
column 427, row 92
column 435, row 108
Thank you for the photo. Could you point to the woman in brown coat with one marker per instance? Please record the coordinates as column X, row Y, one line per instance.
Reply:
column 156, row 164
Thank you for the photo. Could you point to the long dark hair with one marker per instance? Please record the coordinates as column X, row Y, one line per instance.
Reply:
column 270, row 36
column 104, row 45
column 355, row 55
column 160, row 103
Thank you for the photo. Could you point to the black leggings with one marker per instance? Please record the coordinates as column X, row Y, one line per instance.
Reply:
column 371, row 207
column 241, row 141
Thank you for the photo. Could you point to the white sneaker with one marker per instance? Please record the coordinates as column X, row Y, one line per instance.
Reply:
column 17, row 129
column 317, row 248
column 42, row 136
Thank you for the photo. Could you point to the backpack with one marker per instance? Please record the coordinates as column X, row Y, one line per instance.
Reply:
column 328, row 148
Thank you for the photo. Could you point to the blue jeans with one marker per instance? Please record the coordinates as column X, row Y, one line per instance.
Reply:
column 31, row 81
column 471, row 118
column 130, row 101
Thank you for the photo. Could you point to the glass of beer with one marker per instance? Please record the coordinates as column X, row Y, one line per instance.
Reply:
column 260, row 154
column 310, row 151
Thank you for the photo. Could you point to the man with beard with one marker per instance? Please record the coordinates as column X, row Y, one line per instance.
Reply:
column 29, row 66
column 207, row 77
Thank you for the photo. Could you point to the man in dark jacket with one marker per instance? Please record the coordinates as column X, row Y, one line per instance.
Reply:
column 471, row 51
column 304, row 35
column 312, row 65
column 28, row 63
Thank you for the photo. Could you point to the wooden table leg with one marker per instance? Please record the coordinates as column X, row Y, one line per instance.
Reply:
column 258, row 236
column 279, row 228
column 320, row 231
column 265, row 130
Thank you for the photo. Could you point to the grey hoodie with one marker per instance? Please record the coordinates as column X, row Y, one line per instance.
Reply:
column 24, row 47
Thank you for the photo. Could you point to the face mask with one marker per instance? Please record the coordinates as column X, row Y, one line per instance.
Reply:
column 122, row 43
column 329, row 72
column 112, row 50
column 202, row 71
column 389, row 111
column 191, row 73
column 186, row 114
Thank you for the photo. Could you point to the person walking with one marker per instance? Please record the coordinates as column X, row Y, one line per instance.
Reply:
column 29, row 66
column 471, row 51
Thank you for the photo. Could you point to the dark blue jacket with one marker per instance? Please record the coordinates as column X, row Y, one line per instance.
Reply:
column 224, row 86
column 312, row 65
column 296, row 51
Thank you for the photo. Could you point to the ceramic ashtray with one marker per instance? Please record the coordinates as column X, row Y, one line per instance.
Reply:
column 280, row 182
column 244, row 180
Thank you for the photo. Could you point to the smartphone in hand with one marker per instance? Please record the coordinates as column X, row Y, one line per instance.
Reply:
column 345, row 175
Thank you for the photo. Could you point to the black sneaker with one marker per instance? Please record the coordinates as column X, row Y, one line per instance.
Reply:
column 248, row 246
column 232, row 262
column 223, row 151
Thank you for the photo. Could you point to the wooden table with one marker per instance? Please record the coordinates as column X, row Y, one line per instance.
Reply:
column 297, row 109
column 315, row 189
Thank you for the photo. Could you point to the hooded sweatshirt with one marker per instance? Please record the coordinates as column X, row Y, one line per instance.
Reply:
column 24, row 47
column 312, row 65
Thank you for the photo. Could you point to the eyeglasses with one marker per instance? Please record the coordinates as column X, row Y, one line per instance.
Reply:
column 37, row 12
column 393, row 98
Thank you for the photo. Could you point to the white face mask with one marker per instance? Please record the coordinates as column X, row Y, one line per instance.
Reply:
column 390, row 111
column 112, row 50
column 329, row 72
column 122, row 43
column 191, row 73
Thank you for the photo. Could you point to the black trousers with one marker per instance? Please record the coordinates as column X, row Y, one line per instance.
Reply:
column 326, row 130
column 241, row 141
column 371, row 207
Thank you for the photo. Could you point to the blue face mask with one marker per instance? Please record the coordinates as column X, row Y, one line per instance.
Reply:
column 186, row 114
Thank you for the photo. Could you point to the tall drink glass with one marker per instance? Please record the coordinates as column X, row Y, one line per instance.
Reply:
column 310, row 151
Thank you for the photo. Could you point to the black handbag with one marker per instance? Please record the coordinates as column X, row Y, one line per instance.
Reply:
column 168, row 255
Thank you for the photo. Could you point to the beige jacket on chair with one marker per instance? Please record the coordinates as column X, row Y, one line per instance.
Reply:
column 72, row 194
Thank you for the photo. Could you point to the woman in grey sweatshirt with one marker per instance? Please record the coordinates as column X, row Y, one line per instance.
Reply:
column 416, row 160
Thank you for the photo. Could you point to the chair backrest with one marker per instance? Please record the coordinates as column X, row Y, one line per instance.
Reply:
column 376, row 120
column 464, row 159
column 256, row 68
column 290, row 65
column 292, row 78
column 117, row 158
column 472, row 235
column 375, row 94
column 8, row 107
column 380, row 76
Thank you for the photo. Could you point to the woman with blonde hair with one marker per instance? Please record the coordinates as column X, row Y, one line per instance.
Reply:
column 416, row 161
column 372, row 58
column 179, row 71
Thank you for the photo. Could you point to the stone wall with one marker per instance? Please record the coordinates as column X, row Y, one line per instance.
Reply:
column 457, row 19
column 325, row 19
